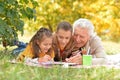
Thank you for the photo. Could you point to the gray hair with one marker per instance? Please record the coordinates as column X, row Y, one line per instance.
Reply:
column 84, row 23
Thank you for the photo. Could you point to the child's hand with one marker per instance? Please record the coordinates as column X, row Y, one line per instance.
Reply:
column 42, row 60
column 45, row 58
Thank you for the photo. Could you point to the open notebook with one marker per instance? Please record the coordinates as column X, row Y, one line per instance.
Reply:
column 58, row 63
column 35, row 62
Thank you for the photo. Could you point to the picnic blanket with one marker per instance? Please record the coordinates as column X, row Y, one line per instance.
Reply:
column 113, row 61
column 34, row 62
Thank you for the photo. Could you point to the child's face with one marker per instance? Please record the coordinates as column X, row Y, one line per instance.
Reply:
column 46, row 44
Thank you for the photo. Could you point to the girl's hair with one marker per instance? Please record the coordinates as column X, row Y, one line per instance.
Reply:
column 40, row 34
column 65, row 26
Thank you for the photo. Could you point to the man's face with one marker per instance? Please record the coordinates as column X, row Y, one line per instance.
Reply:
column 81, row 36
column 63, row 37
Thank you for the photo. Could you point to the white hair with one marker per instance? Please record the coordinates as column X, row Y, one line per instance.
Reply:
column 84, row 23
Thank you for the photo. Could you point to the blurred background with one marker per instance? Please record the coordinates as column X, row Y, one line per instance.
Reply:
column 104, row 14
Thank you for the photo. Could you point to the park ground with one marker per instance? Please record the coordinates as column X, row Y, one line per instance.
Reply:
column 10, row 71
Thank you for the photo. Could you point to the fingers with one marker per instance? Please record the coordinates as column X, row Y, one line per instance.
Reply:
column 76, row 52
column 42, row 60
column 75, row 59
column 47, row 57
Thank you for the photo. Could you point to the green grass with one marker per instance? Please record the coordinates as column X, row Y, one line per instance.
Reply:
column 10, row 71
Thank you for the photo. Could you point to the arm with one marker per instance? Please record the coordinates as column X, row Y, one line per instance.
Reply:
column 97, row 50
column 75, row 59
column 26, row 53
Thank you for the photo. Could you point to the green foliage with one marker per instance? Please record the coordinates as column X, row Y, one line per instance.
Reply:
column 106, row 18
column 11, row 14
column 104, row 14
column 50, row 13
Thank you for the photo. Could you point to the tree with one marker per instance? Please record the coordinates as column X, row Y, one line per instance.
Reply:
column 12, row 13
column 104, row 14
column 51, row 12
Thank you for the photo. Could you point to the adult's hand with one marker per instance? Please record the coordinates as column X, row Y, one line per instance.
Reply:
column 75, row 59
column 76, row 52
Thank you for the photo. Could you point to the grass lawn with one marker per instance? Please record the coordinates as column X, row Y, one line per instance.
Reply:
column 10, row 71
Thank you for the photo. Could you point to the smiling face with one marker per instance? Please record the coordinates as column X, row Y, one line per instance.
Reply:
column 81, row 36
column 63, row 37
column 45, row 44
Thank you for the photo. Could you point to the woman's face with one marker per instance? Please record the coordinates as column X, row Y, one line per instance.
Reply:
column 45, row 44
column 63, row 37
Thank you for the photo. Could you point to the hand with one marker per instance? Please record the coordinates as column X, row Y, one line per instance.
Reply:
column 42, row 60
column 45, row 58
column 76, row 52
column 75, row 59
column 84, row 51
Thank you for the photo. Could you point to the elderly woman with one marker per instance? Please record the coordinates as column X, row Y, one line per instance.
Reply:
column 86, row 40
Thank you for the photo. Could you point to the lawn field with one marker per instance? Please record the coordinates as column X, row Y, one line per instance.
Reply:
column 20, row 71
column 10, row 71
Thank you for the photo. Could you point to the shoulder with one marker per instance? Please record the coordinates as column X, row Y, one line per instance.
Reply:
column 95, row 42
column 28, row 49
column 95, row 39
column 29, row 46
column 97, row 48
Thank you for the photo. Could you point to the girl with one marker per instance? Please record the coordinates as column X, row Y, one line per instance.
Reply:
column 39, row 47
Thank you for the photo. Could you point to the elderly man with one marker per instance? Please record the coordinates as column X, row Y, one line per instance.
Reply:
column 86, row 40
